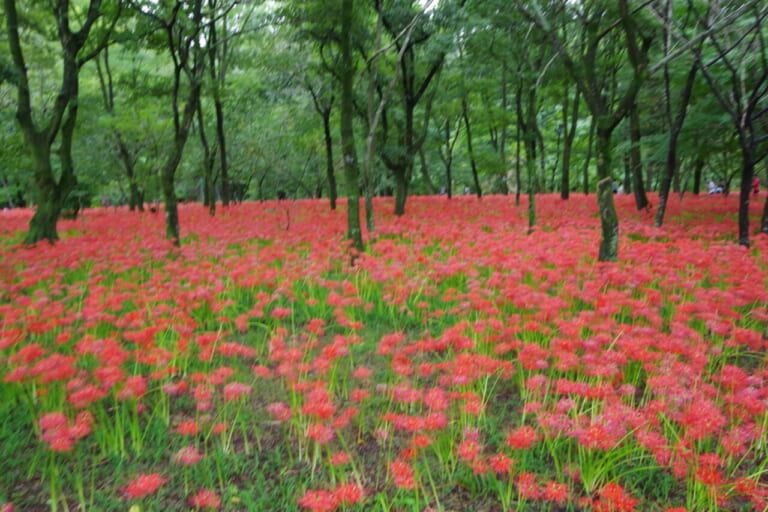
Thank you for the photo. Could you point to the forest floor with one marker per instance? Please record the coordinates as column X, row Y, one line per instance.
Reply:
column 459, row 363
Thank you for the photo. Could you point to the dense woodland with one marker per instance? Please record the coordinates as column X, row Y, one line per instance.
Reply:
column 147, row 103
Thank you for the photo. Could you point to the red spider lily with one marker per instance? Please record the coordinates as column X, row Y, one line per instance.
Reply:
column 280, row 411
column 319, row 501
column 205, row 500
column 143, row 485
column 339, row 458
column 60, row 435
column 134, row 387
column 501, row 464
column 83, row 397
column 527, row 486
column 6, row 507
column 402, row 474
column 348, row 494
column 188, row 456
column 235, row 390
column 522, row 438
column 556, row 492
column 320, row 433
column 614, row 499
column 188, row 428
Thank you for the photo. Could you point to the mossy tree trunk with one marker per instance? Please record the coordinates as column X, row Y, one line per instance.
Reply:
column 61, row 116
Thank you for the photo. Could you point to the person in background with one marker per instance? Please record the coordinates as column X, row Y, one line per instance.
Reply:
column 755, row 185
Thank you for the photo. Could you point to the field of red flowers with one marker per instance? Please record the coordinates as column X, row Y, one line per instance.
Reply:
column 459, row 364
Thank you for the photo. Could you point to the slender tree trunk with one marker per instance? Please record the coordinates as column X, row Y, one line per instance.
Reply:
column 697, row 168
column 209, row 195
column 676, row 127
column 425, row 172
column 518, row 154
column 504, row 125
column 222, row 139
column 565, row 178
column 470, row 151
column 349, row 152
column 588, row 158
column 635, row 159
column 447, row 157
column 530, row 164
column 329, row 171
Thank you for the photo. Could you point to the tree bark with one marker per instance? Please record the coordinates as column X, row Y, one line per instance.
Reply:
column 222, row 139
column 324, row 109
column 588, row 158
column 570, row 134
column 609, row 221
column 209, row 194
column 425, row 172
column 635, row 159
column 676, row 127
column 470, row 151
column 329, row 170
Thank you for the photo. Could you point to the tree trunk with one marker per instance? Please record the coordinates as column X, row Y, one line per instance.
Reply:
column 401, row 190
column 518, row 152
column 349, row 152
column 209, row 195
column 609, row 221
column 42, row 226
column 425, row 172
column 764, row 219
column 62, row 115
column 570, row 134
column 135, row 196
column 329, row 171
column 530, row 164
column 588, row 158
column 697, row 168
column 747, row 173
column 635, row 159
column 470, row 152
column 221, row 136
column 169, row 196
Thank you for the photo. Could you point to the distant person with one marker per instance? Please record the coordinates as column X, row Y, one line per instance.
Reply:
column 466, row 189
column 756, row 185
column 620, row 189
